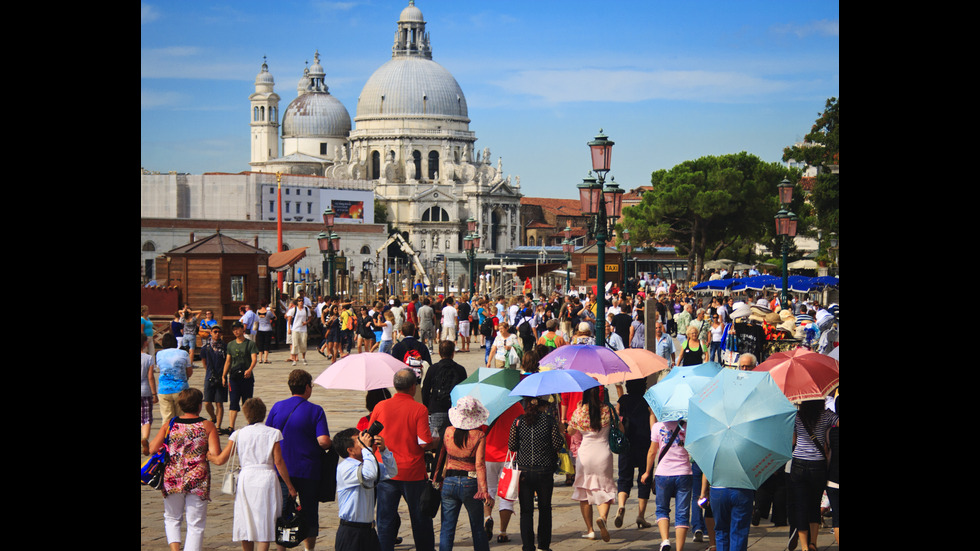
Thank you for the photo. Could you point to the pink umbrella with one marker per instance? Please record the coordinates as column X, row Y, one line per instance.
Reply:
column 642, row 363
column 365, row 371
column 802, row 374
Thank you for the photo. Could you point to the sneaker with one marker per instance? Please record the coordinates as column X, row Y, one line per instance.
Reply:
column 304, row 361
column 294, row 363
column 698, row 536
column 665, row 545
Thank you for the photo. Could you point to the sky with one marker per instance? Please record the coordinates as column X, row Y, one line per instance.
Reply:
column 666, row 81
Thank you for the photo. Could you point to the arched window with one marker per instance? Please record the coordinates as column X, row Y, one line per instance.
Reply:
column 255, row 114
column 433, row 164
column 417, row 160
column 365, row 250
column 435, row 214
column 262, row 113
column 375, row 165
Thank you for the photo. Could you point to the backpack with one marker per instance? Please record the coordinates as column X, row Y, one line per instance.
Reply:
column 550, row 341
column 486, row 328
column 442, row 385
column 414, row 360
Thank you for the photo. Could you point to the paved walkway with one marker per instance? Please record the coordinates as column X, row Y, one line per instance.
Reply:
column 343, row 409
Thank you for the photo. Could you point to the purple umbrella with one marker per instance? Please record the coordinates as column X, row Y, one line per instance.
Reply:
column 587, row 358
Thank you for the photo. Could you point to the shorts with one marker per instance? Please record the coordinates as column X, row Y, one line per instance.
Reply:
column 146, row 410
column 239, row 391
column 464, row 329
column 448, row 333
column 264, row 341
column 493, row 479
column 215, row 392
column 427, row 333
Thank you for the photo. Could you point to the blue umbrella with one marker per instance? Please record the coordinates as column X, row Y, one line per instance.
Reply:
column 555, row 381
column 491, row 386
column 707, row 369
column 740, row 429
column 669, row 398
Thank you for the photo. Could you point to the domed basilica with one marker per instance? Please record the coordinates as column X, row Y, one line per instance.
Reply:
column 410, row 138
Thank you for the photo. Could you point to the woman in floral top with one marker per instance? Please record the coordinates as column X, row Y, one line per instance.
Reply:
column 465, row 483
column 187, row 475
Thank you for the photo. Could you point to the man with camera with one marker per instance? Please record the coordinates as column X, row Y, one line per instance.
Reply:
column 358, row 473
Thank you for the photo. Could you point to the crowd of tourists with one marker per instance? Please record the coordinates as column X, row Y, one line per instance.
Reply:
column 416, row 434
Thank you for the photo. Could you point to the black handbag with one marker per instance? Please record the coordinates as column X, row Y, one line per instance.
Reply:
column 291, row 528
column 432, row 490
column 328, row 476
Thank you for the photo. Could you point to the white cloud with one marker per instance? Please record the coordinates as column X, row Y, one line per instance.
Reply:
column 559, row 86
column 823, row 27
column 148, row 13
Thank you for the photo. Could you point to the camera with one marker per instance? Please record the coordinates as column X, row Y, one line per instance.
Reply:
column 375, row 428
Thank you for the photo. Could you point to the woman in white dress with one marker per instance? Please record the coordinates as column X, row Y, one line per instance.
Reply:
column 258, row 499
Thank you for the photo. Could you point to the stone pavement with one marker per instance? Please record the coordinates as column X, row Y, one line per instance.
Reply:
column 343, row 409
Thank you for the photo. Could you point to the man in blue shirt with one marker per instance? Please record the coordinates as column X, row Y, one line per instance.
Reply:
column 665, row 344
column 358, row 473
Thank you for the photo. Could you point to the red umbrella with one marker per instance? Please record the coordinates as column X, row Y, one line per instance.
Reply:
column 802, row 374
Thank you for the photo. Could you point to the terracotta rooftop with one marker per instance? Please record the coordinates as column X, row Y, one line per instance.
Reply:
column 567, row 207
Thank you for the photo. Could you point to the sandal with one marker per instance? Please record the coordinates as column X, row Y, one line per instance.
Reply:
column 618, row 521
column 502, row 538
column 601, row 523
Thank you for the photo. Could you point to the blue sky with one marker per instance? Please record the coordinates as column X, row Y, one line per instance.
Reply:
column 667, row 81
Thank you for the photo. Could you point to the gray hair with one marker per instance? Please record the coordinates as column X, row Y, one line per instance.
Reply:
column 404, row 379
column 751, row 357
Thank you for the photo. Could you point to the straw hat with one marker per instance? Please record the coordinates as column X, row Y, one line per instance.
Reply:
column 468, row 414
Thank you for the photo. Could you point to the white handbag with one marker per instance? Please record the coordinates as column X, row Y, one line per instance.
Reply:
column 230, row 482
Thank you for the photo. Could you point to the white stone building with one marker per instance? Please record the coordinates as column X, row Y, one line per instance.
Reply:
column 410, row 146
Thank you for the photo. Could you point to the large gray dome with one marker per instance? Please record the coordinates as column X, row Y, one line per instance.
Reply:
column 412, row 86
column 316, row 115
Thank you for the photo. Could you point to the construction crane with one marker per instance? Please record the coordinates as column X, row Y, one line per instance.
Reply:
column 396, row 237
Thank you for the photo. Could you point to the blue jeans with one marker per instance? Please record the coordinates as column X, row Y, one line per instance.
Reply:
column 732, row 508
column 679, row 488
column 386, row 347
column 457, row 492
column 714, row 352
column 390, row 493
column 697, row 515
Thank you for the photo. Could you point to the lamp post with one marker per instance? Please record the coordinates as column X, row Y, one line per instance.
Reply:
column 471, row 243
column 329, row 243
column 627, row 249
column 567, row 247
column 603, row 206
column 786, row 227
column 542, row 259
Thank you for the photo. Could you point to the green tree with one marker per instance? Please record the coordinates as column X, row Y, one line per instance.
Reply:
column 821, row 149
column 708, row 205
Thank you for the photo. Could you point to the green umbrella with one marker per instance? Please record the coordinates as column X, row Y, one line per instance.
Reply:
column 492, row 387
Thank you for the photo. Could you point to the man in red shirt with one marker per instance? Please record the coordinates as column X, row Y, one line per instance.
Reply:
column 406, row 433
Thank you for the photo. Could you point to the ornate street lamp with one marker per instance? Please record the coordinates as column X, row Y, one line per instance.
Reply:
column 329, row 243
column 604, row 207
column 471, row 243
column 627, row 249
column 786, row 223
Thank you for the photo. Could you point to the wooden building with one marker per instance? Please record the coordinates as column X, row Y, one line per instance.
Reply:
column 217, row 273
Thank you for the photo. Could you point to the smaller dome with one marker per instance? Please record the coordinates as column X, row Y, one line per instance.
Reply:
column 264, row 76
column 316, row 115
column 411, row 14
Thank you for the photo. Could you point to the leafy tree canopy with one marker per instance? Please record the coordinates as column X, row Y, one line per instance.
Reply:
column 708, row 205
column 821, row 149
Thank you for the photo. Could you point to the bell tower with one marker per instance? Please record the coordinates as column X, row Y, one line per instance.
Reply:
column 265, row 117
